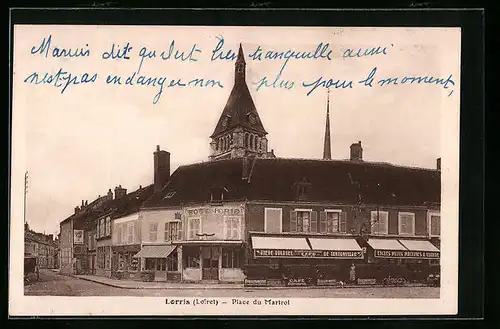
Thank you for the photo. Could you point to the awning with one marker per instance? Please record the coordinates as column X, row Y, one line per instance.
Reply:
column 280, row 247
column 155, row 251
column 339, row 248
column 267, row 242
column 386, row 244
column 422, row 249
column 419, row 245
column 393, row 248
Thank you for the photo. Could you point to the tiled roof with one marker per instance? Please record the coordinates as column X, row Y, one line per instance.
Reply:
column 277, row 180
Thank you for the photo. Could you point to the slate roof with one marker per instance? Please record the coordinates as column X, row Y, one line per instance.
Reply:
column 101, row 206
column 239, row 106
column 343, row 182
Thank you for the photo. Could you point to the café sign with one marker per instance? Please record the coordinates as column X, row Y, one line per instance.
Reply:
column 281, row 253
column 226, row 211
column 406, row 254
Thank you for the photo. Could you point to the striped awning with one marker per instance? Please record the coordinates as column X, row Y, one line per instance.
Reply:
column 155, row 252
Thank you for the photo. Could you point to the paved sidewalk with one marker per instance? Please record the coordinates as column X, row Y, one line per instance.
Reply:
column 157, row 285
column 199, row 286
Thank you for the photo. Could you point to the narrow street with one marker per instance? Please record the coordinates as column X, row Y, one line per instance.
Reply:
column 53, row 284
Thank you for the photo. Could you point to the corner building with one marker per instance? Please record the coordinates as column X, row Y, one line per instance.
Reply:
column 248, row 215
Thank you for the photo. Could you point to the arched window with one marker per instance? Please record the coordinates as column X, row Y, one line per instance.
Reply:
column 251, row 142
column 255, row 142
column 246, row 140
column 217, row 144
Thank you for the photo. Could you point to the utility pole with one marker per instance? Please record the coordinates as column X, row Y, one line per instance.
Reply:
column 25, row 192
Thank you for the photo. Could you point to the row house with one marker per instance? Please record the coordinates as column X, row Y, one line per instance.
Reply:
column 42, row 246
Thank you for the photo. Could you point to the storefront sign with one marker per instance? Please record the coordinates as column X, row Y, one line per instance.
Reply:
column 297, row 282
column 227, row 211
column 406, row 254
column 255, row 282
column 78, row 236
column 327, row 282
column 279, row 253
column 367, row 281
column 275, row 283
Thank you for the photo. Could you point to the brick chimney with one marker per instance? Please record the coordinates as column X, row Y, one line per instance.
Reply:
column 161, row 168
column 356, row 152
column 83, row 204
column 110, row 194
column 438, row 164
column 120, row 192
column 77, row 209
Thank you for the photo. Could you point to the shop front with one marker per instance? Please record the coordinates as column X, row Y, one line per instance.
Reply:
column 128, row 267
column 212, row 261
column 159, row 262
column 393, row 261
column 213, row 243
column 296, row 261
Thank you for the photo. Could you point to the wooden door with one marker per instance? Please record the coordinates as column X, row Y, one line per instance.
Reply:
column 210, row 269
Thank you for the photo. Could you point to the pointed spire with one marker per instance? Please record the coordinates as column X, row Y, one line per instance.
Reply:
column 327, row 153
column 241, row 56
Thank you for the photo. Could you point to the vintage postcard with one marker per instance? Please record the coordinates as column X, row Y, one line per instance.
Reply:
column 218, row 170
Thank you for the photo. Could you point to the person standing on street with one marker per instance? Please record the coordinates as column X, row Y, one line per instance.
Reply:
column 352, row 273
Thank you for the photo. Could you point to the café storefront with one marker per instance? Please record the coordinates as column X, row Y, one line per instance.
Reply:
column 399, row 260
column 212, row 248
column 302, row 261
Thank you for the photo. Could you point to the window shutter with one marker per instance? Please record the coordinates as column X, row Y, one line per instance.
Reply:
column 314, row 222
column 343, row 222
column 179, row 231
column 322, row 222
column 293, row 221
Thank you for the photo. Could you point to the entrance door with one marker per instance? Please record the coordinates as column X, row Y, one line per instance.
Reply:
column 161, row 269
column 210, row 263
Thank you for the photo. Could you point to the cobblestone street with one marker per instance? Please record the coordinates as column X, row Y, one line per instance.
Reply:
column 53, row 284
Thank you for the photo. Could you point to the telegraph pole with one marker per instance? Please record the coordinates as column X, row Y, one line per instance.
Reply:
column 25, row 192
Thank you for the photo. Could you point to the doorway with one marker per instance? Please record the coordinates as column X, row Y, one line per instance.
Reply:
column 210, row 267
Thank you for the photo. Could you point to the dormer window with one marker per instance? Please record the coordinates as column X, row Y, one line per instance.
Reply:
column 303, row 189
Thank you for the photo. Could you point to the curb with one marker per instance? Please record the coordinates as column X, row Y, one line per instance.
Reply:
column 201, row 287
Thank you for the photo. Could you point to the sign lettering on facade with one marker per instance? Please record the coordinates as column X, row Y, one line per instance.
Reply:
column 279, row 253
column 406, row 254
column 226, row 211
column 78, row 236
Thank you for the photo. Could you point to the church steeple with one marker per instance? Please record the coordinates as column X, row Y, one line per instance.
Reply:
column 240, row 67
column 239, row 131
column 327, row 153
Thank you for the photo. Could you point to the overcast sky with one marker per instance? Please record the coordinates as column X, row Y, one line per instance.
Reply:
column 93, row 137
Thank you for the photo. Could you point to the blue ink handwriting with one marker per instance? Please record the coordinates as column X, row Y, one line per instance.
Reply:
column 45, row 48
column 118, row 53
column 320, row 82
column 61, row 79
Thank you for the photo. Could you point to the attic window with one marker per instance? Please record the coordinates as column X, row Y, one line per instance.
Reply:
column 169, row 195
column 303, row 188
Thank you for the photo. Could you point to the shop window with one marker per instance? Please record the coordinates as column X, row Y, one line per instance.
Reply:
column 272, row 220
column 434, row 224
column 194, row 227
column 161, row 264
column 150, row 264
column 232, row 228
column 153, row 231
column 191, row 257
column 379, row 222
column 406, row 222
column 173, row 231
column 303, row 221
column 172, row 262
column 231, row 258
